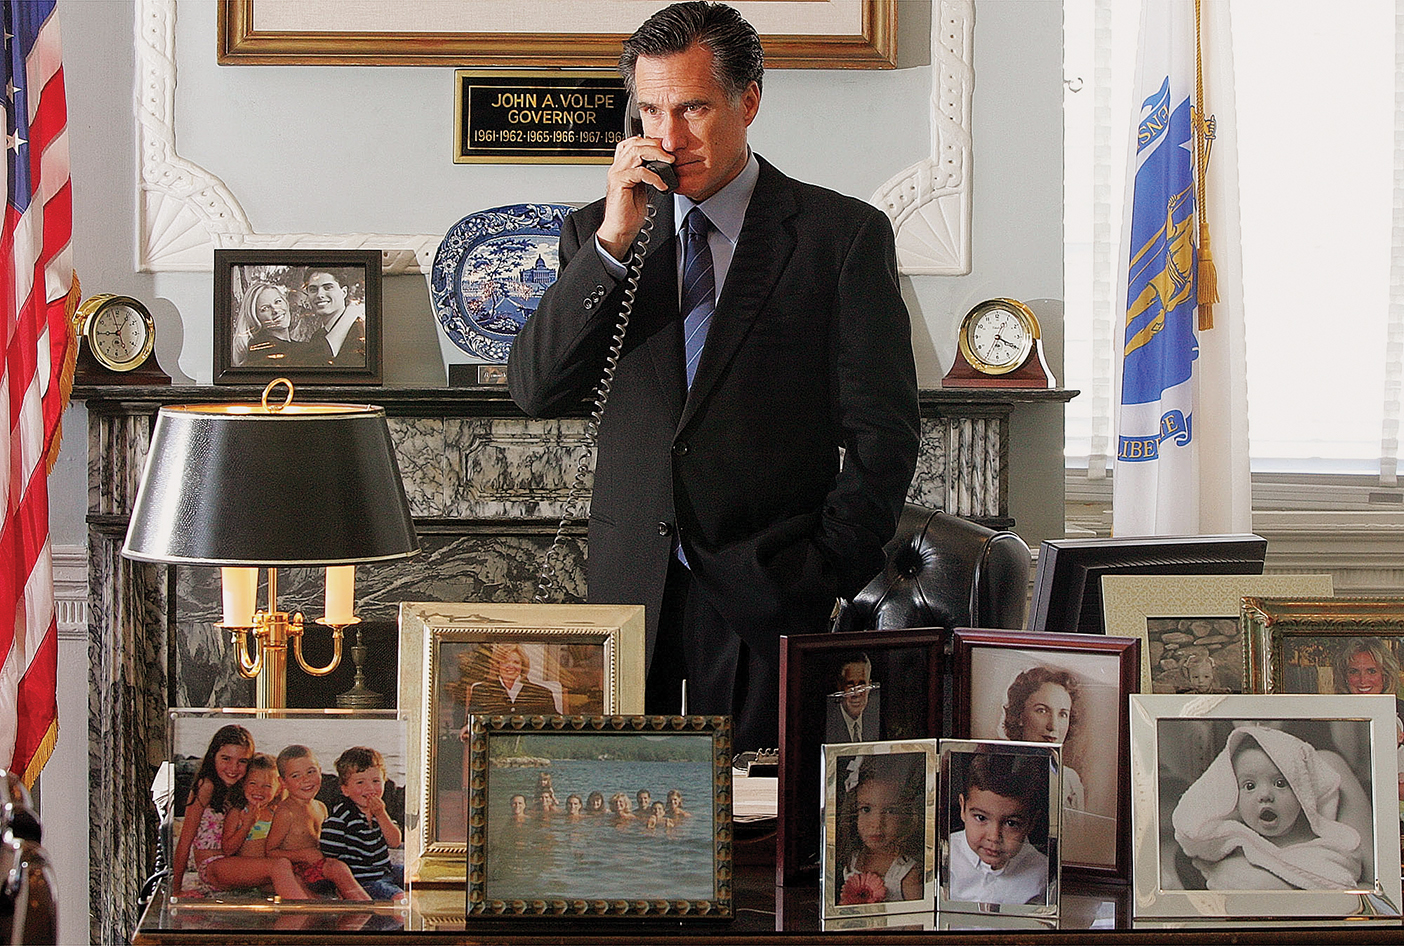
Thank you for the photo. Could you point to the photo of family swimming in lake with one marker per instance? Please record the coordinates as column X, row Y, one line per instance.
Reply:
column 600, row 816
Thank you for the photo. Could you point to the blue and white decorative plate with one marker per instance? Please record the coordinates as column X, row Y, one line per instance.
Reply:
column 490, row 272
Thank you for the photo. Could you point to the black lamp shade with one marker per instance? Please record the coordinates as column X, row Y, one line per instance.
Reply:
column 241, row 484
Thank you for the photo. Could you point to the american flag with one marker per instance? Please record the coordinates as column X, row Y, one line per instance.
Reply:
column 38, row 293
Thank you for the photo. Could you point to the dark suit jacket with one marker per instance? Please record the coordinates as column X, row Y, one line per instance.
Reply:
column 809, row 351
column 490, row 697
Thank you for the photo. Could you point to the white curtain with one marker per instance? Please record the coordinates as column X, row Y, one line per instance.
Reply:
column 1320, row 126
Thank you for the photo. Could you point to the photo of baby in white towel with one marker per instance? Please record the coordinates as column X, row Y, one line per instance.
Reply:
column 1272, row 811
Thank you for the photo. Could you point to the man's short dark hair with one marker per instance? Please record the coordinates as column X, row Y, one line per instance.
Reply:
column 737, row 57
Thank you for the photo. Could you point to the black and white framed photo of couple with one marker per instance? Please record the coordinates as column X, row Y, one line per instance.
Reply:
column 1068, row 689
column 1251, row 806
column 313, row 316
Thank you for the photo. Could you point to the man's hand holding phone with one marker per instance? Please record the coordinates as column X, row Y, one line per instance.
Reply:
column 636, row 169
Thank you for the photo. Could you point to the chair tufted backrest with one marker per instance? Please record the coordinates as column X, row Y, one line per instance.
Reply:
column 943, row 571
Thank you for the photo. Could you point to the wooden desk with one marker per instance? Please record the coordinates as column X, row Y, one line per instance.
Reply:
column 764, row 914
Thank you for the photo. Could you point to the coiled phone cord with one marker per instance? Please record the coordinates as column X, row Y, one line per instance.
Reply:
column 547, row 580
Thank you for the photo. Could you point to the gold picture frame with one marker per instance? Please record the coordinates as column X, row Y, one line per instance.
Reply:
column 815, row 37
column 588, row 659
column 1131, row 604
column 1279, row 629
column 658, row 861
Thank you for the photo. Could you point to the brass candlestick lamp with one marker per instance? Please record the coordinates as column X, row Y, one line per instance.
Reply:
column 250, row 486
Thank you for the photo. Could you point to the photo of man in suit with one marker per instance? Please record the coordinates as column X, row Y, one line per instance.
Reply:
column 853, row 714
column 762, row 429
column 340, row 339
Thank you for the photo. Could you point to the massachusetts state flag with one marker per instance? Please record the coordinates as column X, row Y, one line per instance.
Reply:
column 37, row 298
column 1182, row 427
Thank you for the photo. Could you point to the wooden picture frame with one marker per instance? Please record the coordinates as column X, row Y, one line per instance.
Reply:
column 1281, row 628
column 1202, row 820
column 585, row 659
column 1017, row 792
column 879, row 780
column 525, row 862
column 312, row 316
column 834, row 34
column 907, row 666
column 1146, row 606
column 991, row 668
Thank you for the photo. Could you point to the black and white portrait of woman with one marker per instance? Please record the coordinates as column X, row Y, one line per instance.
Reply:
column 1065, row 698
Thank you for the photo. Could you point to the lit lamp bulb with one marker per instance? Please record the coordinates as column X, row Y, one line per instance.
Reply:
column 341, row 594
column 240, row 586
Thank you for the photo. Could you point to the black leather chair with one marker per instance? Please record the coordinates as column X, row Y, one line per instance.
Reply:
column 943, row 571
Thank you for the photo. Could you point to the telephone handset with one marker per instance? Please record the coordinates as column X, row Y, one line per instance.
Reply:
column 633, row 126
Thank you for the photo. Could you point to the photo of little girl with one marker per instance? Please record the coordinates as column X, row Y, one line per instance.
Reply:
column 881, row 827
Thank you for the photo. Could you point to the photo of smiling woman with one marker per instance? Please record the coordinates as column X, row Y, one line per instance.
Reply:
column 262, row 331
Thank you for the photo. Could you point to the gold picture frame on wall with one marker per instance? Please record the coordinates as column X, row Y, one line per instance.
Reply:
column 818, row 34
column 457, row 660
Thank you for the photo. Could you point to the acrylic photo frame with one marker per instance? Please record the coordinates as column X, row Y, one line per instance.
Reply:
column 892, row 786
column 665, row 861
column 1015, row 786
column 905, row 666
column 1336, row 754
column 281, row 740
column 1088, row 677
column 1189, row 624
column 585, row 659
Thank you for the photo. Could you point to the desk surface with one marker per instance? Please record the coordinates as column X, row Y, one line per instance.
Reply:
column 764, row 914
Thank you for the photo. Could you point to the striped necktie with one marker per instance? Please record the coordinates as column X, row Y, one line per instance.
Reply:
column 698, row 288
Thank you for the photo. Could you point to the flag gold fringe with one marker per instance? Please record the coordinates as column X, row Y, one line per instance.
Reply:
column 70, row 365
column 42, row 752
column 1208, row 293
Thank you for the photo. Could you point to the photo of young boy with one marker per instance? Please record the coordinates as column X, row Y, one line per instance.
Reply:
column 997, row 828
column 358, row 830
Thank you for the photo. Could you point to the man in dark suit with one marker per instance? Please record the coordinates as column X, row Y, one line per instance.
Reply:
column 341, row 337
column 854, row 714
column 762, row 429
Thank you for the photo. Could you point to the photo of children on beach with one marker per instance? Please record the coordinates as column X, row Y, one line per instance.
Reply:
column 296, row 807
column 998, row 847
column 590, row 815
column 1262, row 804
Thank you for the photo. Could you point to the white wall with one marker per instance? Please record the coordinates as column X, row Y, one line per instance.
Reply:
column 367, row 149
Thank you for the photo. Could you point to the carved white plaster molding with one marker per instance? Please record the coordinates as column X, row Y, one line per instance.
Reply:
column 185, row 212
column 929, row 202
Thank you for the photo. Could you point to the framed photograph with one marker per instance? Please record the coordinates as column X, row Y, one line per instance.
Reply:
column 856, row 687
column 460, row 659
column 828, row 34
column 1251, row 807
column 1191, row 638
column 1000, row 809
column 600, row 816
column 274, row 806
column 879, row 828
column 312, row 316
column 1067, row 689
column 1067, row 593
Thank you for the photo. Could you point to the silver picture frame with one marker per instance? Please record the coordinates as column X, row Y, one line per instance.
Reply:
column 1337, row 756
column 1013, row 770
column 906, row 770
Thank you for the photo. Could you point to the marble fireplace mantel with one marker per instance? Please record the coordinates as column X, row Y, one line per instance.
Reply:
column 486, row 486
